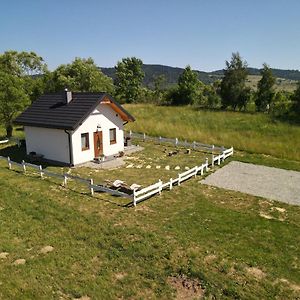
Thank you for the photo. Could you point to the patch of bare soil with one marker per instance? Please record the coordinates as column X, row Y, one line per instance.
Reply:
column 3, row 255
column 263, row 215
column 256, row 272
column 292, row 286
column 83, row 298
column 186, row 288
column 120, row 276
column 46, row 249
column 210, row 258
column 20, row 261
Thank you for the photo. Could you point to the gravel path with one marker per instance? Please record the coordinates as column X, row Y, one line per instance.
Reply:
column 271, row 183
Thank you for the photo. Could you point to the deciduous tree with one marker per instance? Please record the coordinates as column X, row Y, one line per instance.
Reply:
column 129, row 77
column 233, row 85
column 13, row 99
column 82, row 75
column 188, row 84
column 265, row 92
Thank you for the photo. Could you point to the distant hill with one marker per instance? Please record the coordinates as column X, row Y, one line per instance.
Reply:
column 172, row 74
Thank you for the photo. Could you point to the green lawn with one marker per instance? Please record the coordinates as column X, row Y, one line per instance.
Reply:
column 254, row 133
column 104, row 250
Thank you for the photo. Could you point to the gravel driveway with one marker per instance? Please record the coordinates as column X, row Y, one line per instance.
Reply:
column 267, row 182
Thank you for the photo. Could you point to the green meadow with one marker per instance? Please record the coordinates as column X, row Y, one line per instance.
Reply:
column 195, row 233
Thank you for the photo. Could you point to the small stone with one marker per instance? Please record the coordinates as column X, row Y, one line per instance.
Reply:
column 3, row 255
column 167, row 167
column 20, row 261
column 157, row 167
column 148, row 167
column 186, row 168
column 177, row 168
column 46, row 249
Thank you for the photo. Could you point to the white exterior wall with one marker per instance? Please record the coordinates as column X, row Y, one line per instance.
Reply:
column 107, row 118
column 52, row 143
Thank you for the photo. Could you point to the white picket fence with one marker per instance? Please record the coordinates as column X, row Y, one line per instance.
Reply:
column 137, row 195
column 64, row 177
column 176, row 142
column 158, row 187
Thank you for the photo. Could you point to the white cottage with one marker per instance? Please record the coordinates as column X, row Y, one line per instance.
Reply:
column 73, row 128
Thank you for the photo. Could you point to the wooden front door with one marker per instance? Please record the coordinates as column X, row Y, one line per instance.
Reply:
column 98, row 143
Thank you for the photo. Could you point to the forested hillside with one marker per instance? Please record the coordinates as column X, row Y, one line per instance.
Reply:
column 172, row 74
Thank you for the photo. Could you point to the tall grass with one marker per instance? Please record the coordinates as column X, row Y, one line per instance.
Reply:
column 256, row 133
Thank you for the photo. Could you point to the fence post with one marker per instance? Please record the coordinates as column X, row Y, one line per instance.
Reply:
column 179, row 177
column 223, row 149
column 212, row 155
column 219, row 160
column 91, row 188
column 171, row 183
column 9, row 163
column 23, row 166
column 194, row 145
column 144, row 137
column 134, row 198
column 160, row 188
column 202, row 166
column 130, row 133
column 65, row 180
column 206, row 164
column 160, row 140
column 41, row 171
column 176, row 142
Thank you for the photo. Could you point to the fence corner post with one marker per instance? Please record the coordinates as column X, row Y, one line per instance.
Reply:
column 176, row 142
column 23, row 166
column 9, row 163
column 160, row 140
column 41, row 171
column 202, row 167
column 206, row 164
column 91, row 188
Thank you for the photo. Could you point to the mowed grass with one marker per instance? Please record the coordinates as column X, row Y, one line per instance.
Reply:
column 254, row 133
column 106, row 251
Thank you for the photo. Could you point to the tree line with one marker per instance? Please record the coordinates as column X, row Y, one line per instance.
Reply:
column 24, row 76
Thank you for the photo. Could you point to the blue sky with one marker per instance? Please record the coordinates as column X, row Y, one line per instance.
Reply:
column 202, row 33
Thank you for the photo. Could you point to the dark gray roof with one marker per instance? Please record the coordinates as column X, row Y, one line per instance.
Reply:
column 51, row 110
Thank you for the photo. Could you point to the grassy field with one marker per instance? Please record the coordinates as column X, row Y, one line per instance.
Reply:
column 195, row 237
column 281, row 84
column 254, row 133
column 106, row 251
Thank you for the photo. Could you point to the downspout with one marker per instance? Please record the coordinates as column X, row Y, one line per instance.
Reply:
column 70, row 148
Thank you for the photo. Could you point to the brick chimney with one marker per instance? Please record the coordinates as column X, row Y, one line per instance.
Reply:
column 68, row 96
